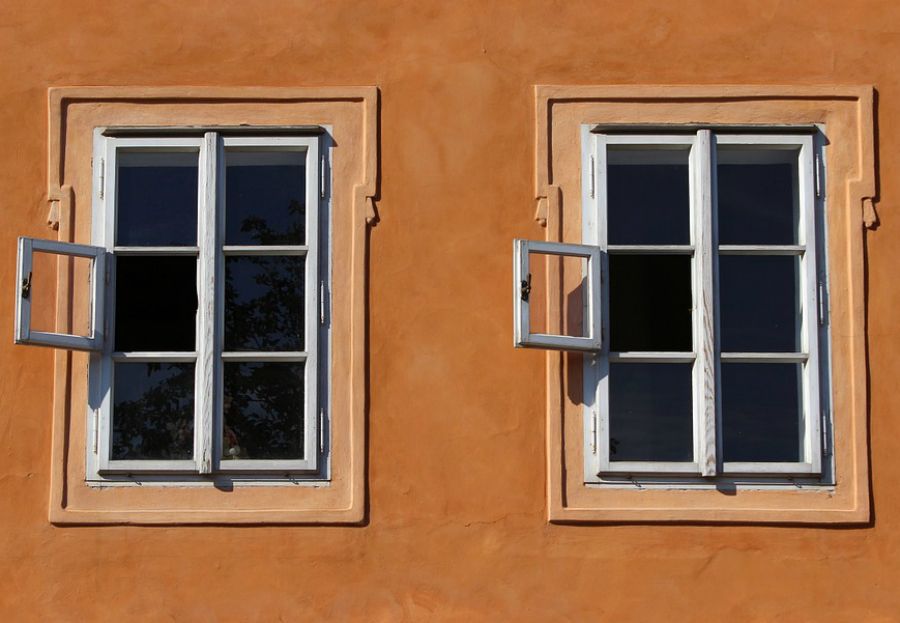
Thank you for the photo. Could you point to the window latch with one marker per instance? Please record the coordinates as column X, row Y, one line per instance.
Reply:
column 526, row 288
column 26, row 286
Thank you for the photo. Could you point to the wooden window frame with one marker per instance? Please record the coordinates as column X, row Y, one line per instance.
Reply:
column 24, row 334
column 524, row 338
column 209, row 357
column 706, row 356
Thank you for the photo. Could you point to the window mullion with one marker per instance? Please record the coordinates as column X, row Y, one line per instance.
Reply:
column 206, row 312
column 705, row 303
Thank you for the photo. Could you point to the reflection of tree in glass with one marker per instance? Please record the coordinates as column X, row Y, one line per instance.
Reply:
column 264, row 299
column 261, row 231
column 159, row 423
column 263, row 410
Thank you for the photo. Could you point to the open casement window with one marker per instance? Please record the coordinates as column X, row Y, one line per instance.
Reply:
column 577, row 318
column 34, row 276
column 711, row 307
column 215, row 307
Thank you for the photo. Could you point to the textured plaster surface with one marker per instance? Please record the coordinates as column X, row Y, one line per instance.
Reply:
column 456, row 527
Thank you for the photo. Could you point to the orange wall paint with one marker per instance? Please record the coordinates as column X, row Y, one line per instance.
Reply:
column 456, row 525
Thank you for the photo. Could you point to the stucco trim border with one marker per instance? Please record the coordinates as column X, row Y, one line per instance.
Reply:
column 60, row 196
column 849, row 502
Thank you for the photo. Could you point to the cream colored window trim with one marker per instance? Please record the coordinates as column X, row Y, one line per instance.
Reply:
column 349, row 116
column 845, row 116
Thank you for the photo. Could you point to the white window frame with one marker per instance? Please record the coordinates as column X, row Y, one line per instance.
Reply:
column 24, row 334
column 706, row 466
column 524, row 338
column 209, row 357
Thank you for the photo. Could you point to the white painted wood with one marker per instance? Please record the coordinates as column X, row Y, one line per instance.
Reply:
column 522, row 249
column 249, row 356
column 265, row 250
column 652, row 357
column 648, row 249
column 310, row 147
column 590, row 183
column 704, row 320
column 765, row 357
column 773, row 469
column 668, row 149
column 208, row 356
column 792, row 147
column 25, row 278
column 150, row 356
column 204, row 396
column 168, row 251
column 749, row 249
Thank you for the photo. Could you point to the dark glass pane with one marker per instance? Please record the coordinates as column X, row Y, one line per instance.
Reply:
column 757, row 194
column 648, row 196
column 157, row 198
column 650, row 412
column 153, row 411
column 265, row 197
column 264, row 302
column 264, row 405
column 156, row 303
column 759, row 303
column 650, row 303
column 761, row 411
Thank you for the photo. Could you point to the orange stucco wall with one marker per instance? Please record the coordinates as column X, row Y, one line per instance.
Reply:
column 456, row 524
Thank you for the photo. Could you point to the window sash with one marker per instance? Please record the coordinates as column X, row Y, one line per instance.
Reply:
column 209, row 357
column 24, row 334
column 524, row 338
column 706, row 356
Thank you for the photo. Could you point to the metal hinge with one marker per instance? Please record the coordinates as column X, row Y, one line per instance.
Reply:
column 322, row 430
column 821, row 295
column 593, row 431
column 826, row 447
column 102, row 176
column 322, row 295
column 593, row 178
column 817, row 173
column 96, row 430
column 322, row 178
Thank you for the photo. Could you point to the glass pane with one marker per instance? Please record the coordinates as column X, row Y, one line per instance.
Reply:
column 650, row 303
column 651, row 412
column 759, row 303
column 157, row 198
column 570, row 272
column 757, row 191
column 648, row 196
column 153, row 411
column 265, row 197
column 264, row 302
column 156, row 303
column 264, row 406
column 762, row 411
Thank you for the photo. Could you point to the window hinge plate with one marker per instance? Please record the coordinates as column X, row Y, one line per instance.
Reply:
column 594, row 431
column 322, row 177
column 593, row 178
column 817, row 175
column 322, row 430
column 820, row 286
column 322, row 306
column 826, row 447
column 102, row 177
column 96, row 430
